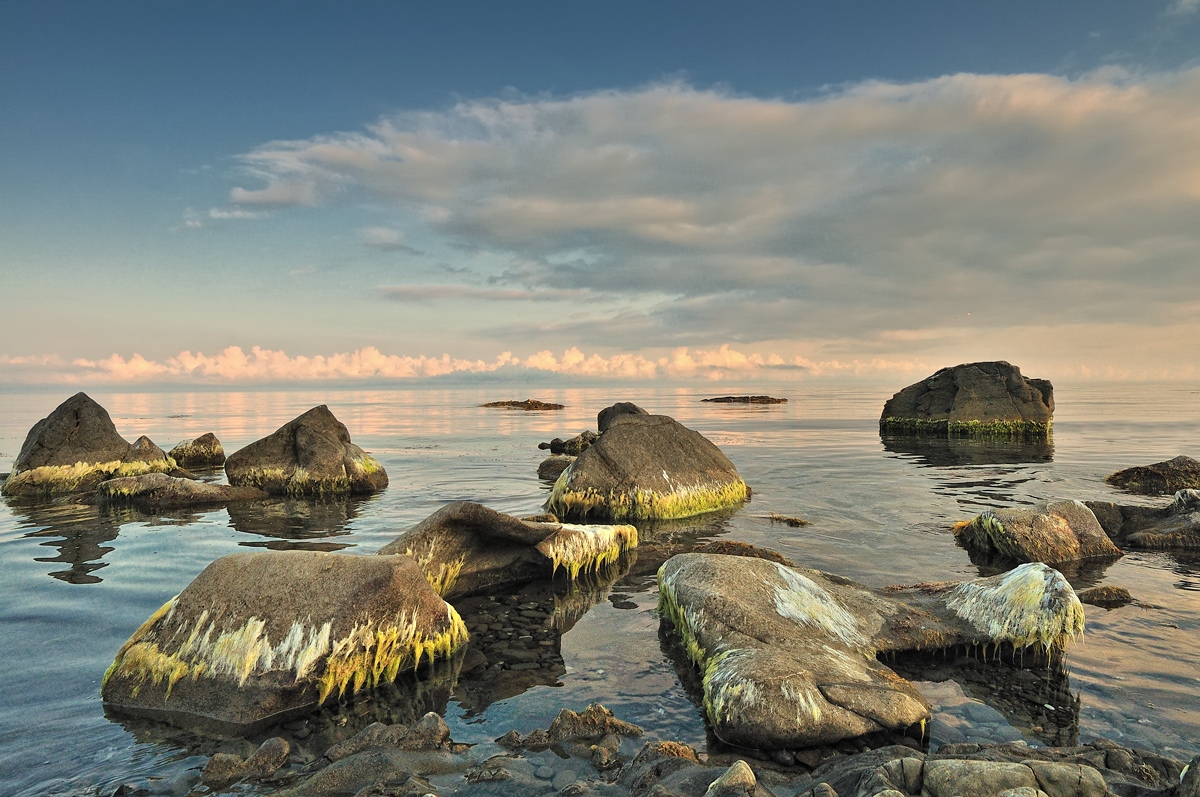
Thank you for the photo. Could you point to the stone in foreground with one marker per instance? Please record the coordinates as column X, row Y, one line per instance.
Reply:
column 205, row 451
column 1161, row 478
column 257, row 637
column 647, row 467
column 1051, row 532
column 76, row 447
column 1174, row 527
column 310, row 455
column 160, row 491
column 787, row 655
column 986, row 399
column 466, row 548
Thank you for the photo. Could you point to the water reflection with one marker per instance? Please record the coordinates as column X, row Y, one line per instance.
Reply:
column 297, row 523
column 951, row 451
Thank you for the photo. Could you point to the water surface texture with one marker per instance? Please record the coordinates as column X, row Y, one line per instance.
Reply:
column 78, row 580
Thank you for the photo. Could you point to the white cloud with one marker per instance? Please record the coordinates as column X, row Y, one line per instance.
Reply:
column 1180, row 8
column 417, row 293
column 385, row 238
column 222, row 214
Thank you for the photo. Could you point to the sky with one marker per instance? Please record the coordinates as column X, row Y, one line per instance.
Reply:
column 203, row 193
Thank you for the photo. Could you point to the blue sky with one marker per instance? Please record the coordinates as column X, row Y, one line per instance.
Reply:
column 200, row 192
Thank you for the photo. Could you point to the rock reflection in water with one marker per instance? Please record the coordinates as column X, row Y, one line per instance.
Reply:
column 952, row 451
column 297, row 523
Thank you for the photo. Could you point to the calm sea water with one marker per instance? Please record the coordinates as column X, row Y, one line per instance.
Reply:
column 77, row 581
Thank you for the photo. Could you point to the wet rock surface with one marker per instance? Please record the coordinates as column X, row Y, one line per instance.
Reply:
column 1175, row 526
column 160, row 491
column 205, row 451
column 1051, row 532
column 988, row 399
column 1161, row 478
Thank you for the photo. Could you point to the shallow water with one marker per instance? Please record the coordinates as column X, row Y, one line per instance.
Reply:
column 78, row 581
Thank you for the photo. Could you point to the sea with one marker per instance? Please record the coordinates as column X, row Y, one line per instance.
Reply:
column 78, row 580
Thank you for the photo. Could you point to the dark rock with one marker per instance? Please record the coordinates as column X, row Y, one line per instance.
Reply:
column 985, row 399
column 552, row 467
column 257, row 637
column 310, row 455
column 269, row 758
column 1161, row 478
column 647, row 467
column 160, row 491
column 527, row 405
column 377, row 734
column 595, row 722
column 606, row 416
column 223, row 769
column 1107, row 597
column 572, row 447
column 203, row 452
column 144, row 450
column 1051, row 532
column 1175, row 526
column 746, row 400
column 732, row 548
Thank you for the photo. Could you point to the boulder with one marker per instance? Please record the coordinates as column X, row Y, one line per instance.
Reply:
column 552, row 467
column 1050, row 531
column 76, row 447
column 257, row 637
column 205, row 451
column 986, row 399
column 1106, row 597
column 466, row 548
column 1161, row 478
column 647, row 467
column 310, row 455
column 1174, row 527
column 572, row 447
column 160, row 491
column 606, row 416
column 787, row 655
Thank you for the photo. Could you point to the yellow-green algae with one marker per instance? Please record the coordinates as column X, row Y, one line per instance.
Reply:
column 1030, row 605
column 944, row 427
column 299, row 482
column 54, row 479
column 587, row 548
column 640, row 504
column 445, row 575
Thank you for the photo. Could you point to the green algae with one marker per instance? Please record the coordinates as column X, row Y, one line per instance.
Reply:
column 584, row 548
column 993, row 430
column 640, row 504
column 50, row 480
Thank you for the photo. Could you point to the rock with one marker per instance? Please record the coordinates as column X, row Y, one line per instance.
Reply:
column 1067, row 780
column 76, row 447
column 1051, row 532
column 595, row 722
column 1189, row 781
column 310, row 455
column 1107, row 597
column 466, row 548
column 527, row 405
column 572, row 447
column 647, row 467
column 1161, row 478
column 733, row 548
column 203, row 452
column 269, row 758
column 787, row 656
column 428, row 733
column 954, row 777
column 986, row 399
column 737, row 781
column 258, row 637
column 160, row 491
column 746, row 400
column 670, row 769
column 1174, row 527
column 606, row 416
column 377, row 734
column 552, row 467
column 223, row 769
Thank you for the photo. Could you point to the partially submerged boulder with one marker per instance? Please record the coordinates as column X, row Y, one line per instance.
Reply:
column 205, row 451
column 1050, row 531
column 76, row 447
column 550, row 468
column 310, row 455
column 160, row 491
column 647, row 467
column 985, row 399
column 1174, row 527
column 257, row 637
column 787, row 656
column 465, row 548
column 529, row 405
column 571, row 447
column 1161, row 478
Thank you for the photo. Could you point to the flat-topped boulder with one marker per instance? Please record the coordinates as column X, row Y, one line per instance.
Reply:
column 1161, row 478
column 985, row 399
column 257, row 637
column 466, row 548
column 1050, row 531
column 161, row 491
column 205, row 451
column 1174, row 527
column 76, row 447
column 310, row 455
column 788, row 655
column 647, row 467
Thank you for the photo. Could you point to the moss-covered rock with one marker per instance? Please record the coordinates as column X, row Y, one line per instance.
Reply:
column 260, row 636
column 985, row 399
column 310, row 455
column 1050, row 531
column 205, row 451
column 1161, row 478
column 647, row 467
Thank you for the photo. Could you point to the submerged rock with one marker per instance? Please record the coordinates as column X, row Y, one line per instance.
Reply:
column 1161, row 478
column 160, row 491
column 466, row 548
column 310, row 455
column 205, row 451
column 76, row 447
column 787, row 656
column 1106, row 597
column 1174, row 527
column 647, row 467
column 746, row 400
column 259, row 636
column 1050, row 531
column 985, row 399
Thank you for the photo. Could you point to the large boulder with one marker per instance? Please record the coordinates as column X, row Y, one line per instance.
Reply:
column 1161, row 478
column 606, row 416
column 988, row 399
column 160, row 491
column 257, row 637
column 76, row 447
column 1050, row 531
column 1175, row 526
column 647, row 467
column 205, row 451
column 310, row 455
column 788, row 656
column 466, row 548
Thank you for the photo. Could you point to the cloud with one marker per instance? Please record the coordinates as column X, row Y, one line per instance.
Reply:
column 1182, row 8
column 417, row 293
column 384, row 238
column 222, row 214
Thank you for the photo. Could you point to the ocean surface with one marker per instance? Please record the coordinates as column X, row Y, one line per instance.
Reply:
column 77, row 581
